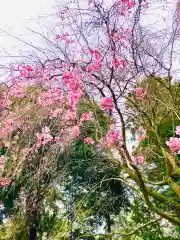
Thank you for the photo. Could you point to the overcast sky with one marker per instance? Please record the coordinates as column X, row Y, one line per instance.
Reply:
column 17, row 15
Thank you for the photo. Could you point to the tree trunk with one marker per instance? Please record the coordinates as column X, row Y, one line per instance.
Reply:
column 32, row 226
column 32, row 233
column 33, row 206
column 108, row 222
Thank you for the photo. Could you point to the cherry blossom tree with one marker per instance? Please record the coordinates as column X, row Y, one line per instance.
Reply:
column 104, row 52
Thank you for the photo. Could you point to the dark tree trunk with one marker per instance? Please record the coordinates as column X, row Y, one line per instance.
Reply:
column 33, row 208
column 108, row 224
column 32, row 233
column 32, row 226
column 108, row 221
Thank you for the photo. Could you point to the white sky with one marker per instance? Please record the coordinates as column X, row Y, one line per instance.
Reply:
column 17, row 15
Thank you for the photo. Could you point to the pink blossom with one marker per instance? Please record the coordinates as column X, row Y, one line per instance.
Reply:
column 5, row 181
column 74, row 97
column 50, row 97
column 89, row 141
column 71, row 133
column 115, row 63
column 94, row 67
column 74, row 86
column 139, row 159
column 112, row 138
column 97, row 65
column 55, row 113
column 140, row 93
column 45, row 130
column 119, row 63
column 44, row 137
column 70, row 115
column 72, row 81
column 67, row 76
column 86, row 116
column 10, row 123
column 174, row 144
column 178, row 130
column 127, row 5
column 141, row 137
column 96, row 53
column 106, row 103
column 27, row 71
column 131, row 4
column 75, row 131
column 2, row 159
column 16, row 88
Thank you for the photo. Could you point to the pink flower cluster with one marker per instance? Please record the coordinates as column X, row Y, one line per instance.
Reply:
column 69, row 115
column 174, row 144
column 178, row 130
column 27, row 71
column 141, row 137
column 44, row 137
column 9, row 125
column 69, row 134
column 75, row 131
column 58, row 98
column 86, row 117
column 119, row 63
column 74, row 87
column 54, row 113
column 140, row 93
column 89, row 141
column 72, row 81
column 106, row 103
column 16, row 88
column 97, row 65
column 50, row 97
column 5, row 181
column 139, row 159
column 94, row 67
column 96, row 53
column 121, row 36
column 113, row 138
column 128, row 5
